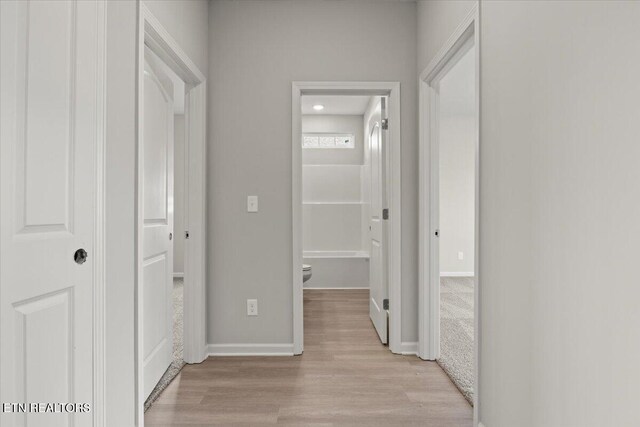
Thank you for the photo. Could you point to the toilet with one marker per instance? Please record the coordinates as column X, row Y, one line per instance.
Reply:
column 306, row 272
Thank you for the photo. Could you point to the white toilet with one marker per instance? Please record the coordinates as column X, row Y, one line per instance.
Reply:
column 306, row 272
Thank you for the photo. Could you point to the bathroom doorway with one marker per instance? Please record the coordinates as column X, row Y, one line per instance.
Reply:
column 343, row 163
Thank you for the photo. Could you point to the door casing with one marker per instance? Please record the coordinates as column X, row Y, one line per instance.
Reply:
column 394, row 256
column 154, row 36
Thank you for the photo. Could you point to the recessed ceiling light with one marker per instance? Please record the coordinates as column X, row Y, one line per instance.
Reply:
column 318, row 107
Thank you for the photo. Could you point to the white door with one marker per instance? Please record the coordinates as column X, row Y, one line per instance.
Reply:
column 377, row 224
column 157, row 214
column 49, row 131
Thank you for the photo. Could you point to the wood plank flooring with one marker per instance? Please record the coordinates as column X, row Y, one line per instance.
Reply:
column 344, row 378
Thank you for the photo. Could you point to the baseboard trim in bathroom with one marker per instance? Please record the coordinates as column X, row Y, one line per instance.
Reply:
column 178, row 275
column 409, row 348
column 480, row 424
column 337, row 288
column 250, row 349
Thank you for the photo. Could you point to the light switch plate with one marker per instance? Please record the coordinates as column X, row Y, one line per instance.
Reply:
column 252, row 203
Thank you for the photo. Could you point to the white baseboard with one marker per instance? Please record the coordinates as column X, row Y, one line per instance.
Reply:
column 456, row 274
column 336, row 288
column 480, row 424
column 409, row 348
column 178, row 275
column 249, row 349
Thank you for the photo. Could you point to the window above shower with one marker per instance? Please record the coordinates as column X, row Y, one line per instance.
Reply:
column 328, row 140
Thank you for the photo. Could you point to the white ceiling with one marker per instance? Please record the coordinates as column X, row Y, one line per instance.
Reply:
column 335, row 104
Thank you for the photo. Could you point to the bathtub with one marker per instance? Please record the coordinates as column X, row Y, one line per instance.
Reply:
column 337, row 269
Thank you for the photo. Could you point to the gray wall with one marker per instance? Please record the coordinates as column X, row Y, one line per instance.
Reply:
column 178, row 193
column 559, row 214
column 257, row 49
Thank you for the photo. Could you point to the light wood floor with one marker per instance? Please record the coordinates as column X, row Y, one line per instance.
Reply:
column 345, row 377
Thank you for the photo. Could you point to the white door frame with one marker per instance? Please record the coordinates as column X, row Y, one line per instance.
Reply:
column 392, row 90
column 429, row 278
column 152, row 34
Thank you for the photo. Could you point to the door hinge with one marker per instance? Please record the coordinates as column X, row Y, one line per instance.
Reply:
column 385, row 124
column 186, row 234
column 385, row 213
column 385, row 304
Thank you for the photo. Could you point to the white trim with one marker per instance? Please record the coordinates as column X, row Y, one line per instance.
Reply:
column 152, row 34
column 335, row 254
column 480, row 424
column 331, row 165
column 296, row 214
column 337, row 288
column 456, row 274
column 99, row 271
column 195, row 247
column 333, row 203
column 392, row 90
column 167, row 48
column 249, row 349
column 477, row 289
column 457, row 38
column 429, row 277
column 409, row 348
column 178, row 275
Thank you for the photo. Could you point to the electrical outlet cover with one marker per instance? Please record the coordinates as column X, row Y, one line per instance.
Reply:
column 252, row 307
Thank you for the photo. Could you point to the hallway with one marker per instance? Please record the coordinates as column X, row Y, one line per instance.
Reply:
column 344, row 377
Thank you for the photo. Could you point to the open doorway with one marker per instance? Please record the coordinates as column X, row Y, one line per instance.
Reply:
column 346, row 205
column 170, row 230
column 456, row 212
column 342, row 229
column 449, row 209
column 163, row 191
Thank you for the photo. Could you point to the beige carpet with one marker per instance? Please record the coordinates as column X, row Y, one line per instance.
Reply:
column 178, row 344
column 456, row 332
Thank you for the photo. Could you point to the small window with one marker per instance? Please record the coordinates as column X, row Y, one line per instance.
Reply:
column 328, row 140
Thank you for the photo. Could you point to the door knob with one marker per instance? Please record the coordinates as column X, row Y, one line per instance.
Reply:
column 80, row 256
